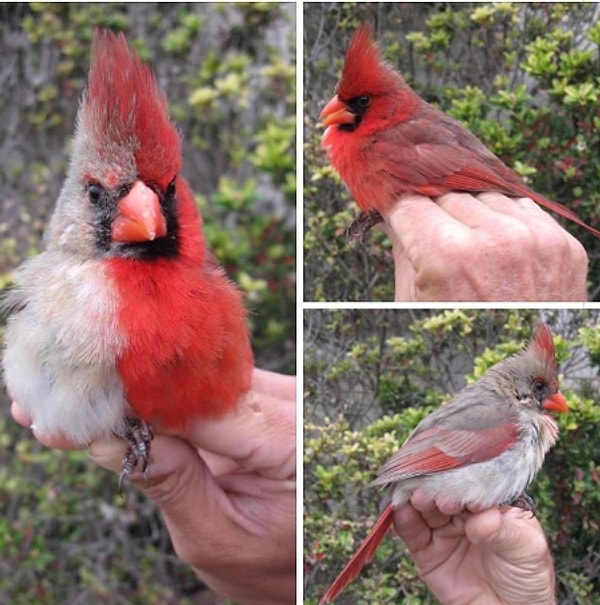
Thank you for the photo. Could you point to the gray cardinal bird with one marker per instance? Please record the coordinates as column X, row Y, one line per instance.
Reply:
column 482, row 448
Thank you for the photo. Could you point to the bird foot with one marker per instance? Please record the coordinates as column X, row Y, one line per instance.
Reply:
column 138, row 437
column 524, row 502
column 362, row 224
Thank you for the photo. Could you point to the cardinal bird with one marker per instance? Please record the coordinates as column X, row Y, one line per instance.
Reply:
column 384, row 140
column 482, row 448
column 125, row 320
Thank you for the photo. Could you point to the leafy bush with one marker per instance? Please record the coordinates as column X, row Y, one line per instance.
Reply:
column 371, row 376
column 523, row 77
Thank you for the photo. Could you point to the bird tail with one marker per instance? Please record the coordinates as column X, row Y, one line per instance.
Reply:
column 361, row 557
column 562, row 211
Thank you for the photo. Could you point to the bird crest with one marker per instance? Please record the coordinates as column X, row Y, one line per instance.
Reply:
column 541, row 349
column 364, row 70
column 543, row 343
column 125, row 109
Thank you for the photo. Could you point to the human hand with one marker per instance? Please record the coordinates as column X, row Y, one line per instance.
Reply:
column 487, row 247
column 226, row 489
column 494, row 557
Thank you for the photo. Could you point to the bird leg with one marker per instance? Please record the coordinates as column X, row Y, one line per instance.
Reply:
column 524, row 502
column 138, row 437
column 362, row 224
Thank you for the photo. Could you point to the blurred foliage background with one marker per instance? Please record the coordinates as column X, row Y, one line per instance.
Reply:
column 522, row 76
column 228, row 71
column 371, row 376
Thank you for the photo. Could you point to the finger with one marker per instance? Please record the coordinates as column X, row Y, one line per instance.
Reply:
column 448, row 505
column 415, row 219
column 518, row 207
column 273, row 384
column 411, row 527
column 179, row 483
column 481, row 527
column 404, row 274
column 422, row 501
column 174, row 472
column 260, row 434
column 427, row 506
column 56, row 442
column 555, row 236
column 19, row 415
column 522, row 208
column 506, row 531
column 472, row 212
column 556, row 246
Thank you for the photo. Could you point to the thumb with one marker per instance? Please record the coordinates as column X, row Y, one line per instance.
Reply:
column 504, row 531
column 484, row 527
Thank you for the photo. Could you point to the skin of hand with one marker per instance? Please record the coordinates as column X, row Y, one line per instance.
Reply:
column 227, row 491
column 487, row 247
column 497, row 556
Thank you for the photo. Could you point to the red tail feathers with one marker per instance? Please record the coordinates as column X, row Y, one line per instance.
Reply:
column 361, row 557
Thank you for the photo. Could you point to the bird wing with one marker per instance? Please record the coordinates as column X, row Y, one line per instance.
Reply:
column 433, row 154
column 464, row 431
column 447, row 167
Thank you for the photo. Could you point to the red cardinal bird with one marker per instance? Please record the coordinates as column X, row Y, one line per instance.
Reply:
column 384, row 140
column 482, row 448
column 125, row 319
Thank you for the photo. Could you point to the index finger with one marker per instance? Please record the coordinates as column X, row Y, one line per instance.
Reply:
column 415, row 219
column 55, row 441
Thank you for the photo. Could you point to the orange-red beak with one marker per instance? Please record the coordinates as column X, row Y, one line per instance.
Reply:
column 556, row 403
column 336, row 112
column 140, row 218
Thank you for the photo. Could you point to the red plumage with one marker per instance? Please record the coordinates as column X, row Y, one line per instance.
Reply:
column 123, row 102
column 188, row 352
column 138, row 323
column 364, row 553
column 384, row 140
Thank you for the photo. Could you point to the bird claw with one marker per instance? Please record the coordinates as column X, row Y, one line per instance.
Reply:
column 138, row 437
column 525, row 503
column 362, row 224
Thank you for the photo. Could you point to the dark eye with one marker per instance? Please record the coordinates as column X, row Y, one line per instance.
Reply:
column 363, row 101
column 94, row 193
column 171, row 189
column 540, row 389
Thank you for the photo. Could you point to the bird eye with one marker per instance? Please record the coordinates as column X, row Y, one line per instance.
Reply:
column 94, row 193
column 171, row 189
column 539, row 388
column 364, row 101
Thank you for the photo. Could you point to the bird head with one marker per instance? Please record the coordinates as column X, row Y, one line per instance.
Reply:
column 534, row 374
column 370, row 93
column 119, row 197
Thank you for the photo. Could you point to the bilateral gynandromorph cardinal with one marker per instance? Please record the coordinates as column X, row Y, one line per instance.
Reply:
column 384, row 140
column 125, row 319
column 482, row 448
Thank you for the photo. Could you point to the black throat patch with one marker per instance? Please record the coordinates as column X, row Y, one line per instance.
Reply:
column 106, row 212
